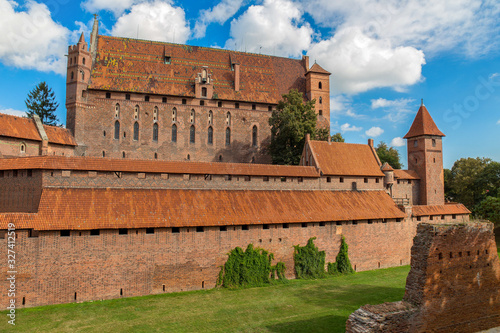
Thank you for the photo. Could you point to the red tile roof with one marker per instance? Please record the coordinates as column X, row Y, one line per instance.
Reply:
column 124, row 64
column 445, row 209
column 423, row 125
column 405, row 174
column 18, row 127
column 347, row 159
column 387, row 167
column 318, row 69
column 25, row 128
column 153, row 166
column 83, row 209
column 59, row 135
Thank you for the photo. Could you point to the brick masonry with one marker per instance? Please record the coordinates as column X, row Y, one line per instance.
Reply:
column 453, row 284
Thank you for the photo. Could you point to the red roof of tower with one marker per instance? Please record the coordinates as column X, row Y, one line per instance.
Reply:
column 318, row 69
column 387, row 167
column 423, row 125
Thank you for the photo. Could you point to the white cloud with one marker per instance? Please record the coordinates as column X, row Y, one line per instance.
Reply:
column 157, row 20
column 398, row 142
column 396, row 110
column 350, row 128
column 30, row 39
column 468, row 26
column 13, row 112
column 275, row 27
column 374, row 132
column 219, row 14
column 498, row 122
column 360, row 63
column 117, row 7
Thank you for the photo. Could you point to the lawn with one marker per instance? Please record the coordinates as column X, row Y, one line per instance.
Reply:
column 297, row 306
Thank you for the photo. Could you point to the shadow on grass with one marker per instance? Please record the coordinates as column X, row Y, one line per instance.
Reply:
column 318, row 324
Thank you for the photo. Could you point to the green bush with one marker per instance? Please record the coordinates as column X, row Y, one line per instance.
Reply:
column 251, row 267
column 342, row 264
column 309, row 261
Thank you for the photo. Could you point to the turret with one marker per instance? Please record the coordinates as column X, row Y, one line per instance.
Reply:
column 318, row 88
column 425, row 157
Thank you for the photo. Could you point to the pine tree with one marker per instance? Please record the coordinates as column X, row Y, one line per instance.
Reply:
column 41, row 101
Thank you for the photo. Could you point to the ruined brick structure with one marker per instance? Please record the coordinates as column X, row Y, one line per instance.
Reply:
column 145, row 200
column 453, row 285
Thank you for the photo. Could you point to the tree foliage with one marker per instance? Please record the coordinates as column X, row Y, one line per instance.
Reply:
column 41, row 101
column 489, row 209
column 342, row 264
column 309, row 261
column 251, row 267
column 322, row 134
column 389, row 155
column 290, row 123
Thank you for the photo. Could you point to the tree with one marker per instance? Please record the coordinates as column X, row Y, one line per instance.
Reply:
column 389, row 155
column 489, row 209
column 322, row 134
column 41, row 101
column 464, row 182
column 449, row 194
column 290, row 123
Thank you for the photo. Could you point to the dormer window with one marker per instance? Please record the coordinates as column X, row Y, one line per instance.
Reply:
column 167, row 60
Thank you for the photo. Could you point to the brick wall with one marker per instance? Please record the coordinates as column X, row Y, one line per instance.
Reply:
column 405, row 188
column 52, row 268
column 20, row 190
column 11, row 147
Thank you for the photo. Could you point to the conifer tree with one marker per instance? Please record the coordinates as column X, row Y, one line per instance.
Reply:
column 41, row 101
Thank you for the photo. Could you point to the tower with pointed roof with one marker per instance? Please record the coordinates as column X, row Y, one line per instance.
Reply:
column 425, row 157
column 318, row 88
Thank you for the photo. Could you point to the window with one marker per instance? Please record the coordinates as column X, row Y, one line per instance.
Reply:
column 65, row 233
column 136, row 131
column 94, row 232
column 150, row 230
column 72, row 75
column 434, row 142
column 202, row 103
column 265, row 226
column 210, row 138
column 23, row 148
column 146, row 98
column 244, row 227
column 254, row 135
column 108, row 95
column 117, row 130
column 341, row 179
column 136, row 112
column 175, row 230
column 304, row 225
column 191, row 117
column 236, row 105
column 320, row 112
column 174, row 133
column 83, row 76
column 222, row 228
column 117, row 110
column 184, row 101
column 377, row 180
column 254, row 107
column 322, row 224
column 174, row 114
column 365, row 180
column 328, row 179
column 265, row 178
column 300, row 179
column 199, row 229
column 219, row 104
column 228, row 136
column 156, row 156
column 415, row 143
column 122, row 231
column 320, row 100
column 155, row 113
column 285, row 225
column 204, row 92
column 210, row 117
column 409, row 181
column 155, row 132
column 83, row 61
column 127, row 96
column 164, row 100
column 103, row 153
column 192, row 134
column 167, row 60
column 123, row 155
column 320, row 85
column 270, row 108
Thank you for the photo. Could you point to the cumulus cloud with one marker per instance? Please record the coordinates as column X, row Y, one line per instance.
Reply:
column 398, row 142
column 374, row 132
column 13, row 112
column 275, row 27
column 360, row 63
column 30, row 39
column 468, row 26
column 350, row 128
column 157, row 20
column 396, row 110
column 219, row 14
column 117, row 7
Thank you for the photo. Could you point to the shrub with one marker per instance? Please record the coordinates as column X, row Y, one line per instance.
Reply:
column 309, row 261
column 342, row 264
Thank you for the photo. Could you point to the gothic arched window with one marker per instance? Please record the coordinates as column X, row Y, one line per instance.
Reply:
column 155, row 132
column 174, row 133
column 228, row 136
column 136, row 131
column 192, row 134
column 254, row 136
column 117, row 130
column 210, row 138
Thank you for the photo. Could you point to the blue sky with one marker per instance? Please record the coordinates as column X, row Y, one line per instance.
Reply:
column 384, row 56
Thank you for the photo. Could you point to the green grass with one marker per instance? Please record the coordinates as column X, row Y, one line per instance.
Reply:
column 297, row 306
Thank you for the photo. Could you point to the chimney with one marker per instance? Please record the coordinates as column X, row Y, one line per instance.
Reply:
column 237, row 77
column 308, row 137
column 306, row 62
column 370, row 142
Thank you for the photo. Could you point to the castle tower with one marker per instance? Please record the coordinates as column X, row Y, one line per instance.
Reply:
column 425, row 157
column 318, row 88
